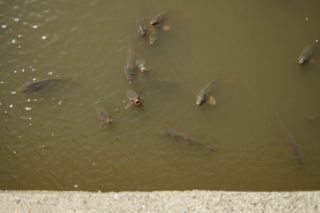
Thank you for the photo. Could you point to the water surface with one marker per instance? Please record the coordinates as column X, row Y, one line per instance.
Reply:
column 53, row 140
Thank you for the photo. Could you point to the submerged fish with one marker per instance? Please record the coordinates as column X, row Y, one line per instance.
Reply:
column 141, row 65
column 105, row 117
column 142, row 29
column 134, row 99
column 130, row 66
column 158, row 19
column 205, row 95
column 153, row 36
column 182, row 138
column 307, row 54
column 291, row 141
column 39, row 85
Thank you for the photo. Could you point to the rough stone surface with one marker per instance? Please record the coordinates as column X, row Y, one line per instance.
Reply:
column 163, row 201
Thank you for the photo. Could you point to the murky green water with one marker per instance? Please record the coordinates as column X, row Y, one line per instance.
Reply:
column 54, row 140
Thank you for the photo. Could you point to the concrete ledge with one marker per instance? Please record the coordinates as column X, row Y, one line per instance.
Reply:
column 164, row 201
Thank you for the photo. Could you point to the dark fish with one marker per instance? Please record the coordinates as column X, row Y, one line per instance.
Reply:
column 182, row 138
column 130, row 66
column 39, row 85
column 291, row 141
column 205, row 95
column 307, row 54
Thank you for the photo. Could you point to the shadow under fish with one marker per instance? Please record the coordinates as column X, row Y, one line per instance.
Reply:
column 40, row 85
column 291, row 141
column 183, row 139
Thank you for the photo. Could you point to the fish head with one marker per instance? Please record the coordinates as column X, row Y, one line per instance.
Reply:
column 200, row 100
column 137, row 102
column 302, row 60
column 142, row 67
column 142, row 31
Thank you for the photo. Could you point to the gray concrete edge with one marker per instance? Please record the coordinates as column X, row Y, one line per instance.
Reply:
column 159, row 201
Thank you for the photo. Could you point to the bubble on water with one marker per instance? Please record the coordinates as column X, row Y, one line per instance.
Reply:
column 35, row 100
column 14, row 71
column 30, row 118
column 11, row 105
column 19, row 46
column 19, row 136
column 13, row 41
column 14, row 152
column 28, row 108
column 35, row 26
column 42, row 146
column 33, row 69
column 75, row 185
column 3, row 26
column 30, row 124
column 0, row 103
column 50, row 73
column 16, row 19
column 22, row 70
column 28, row 100
column 44, row 37
column 307, row 19
column 93, row 163
column 5, row 112
column 19, row 36
column 60, row 102
column 34, row 79
column 13, row 92
column 317, row 40
column 1, row 82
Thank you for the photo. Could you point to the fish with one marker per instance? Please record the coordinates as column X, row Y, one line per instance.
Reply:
column 134, row 99
column 142, row 29
column 159, row 22
column 158, row 19
column 39, row 85
column 130, row 66
column 153, row 36
column 313, row 117
column 205, row 95
column 141, row 65
column 307, row 54
column 105, row 117
column 182, row 138
column 291, row 141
